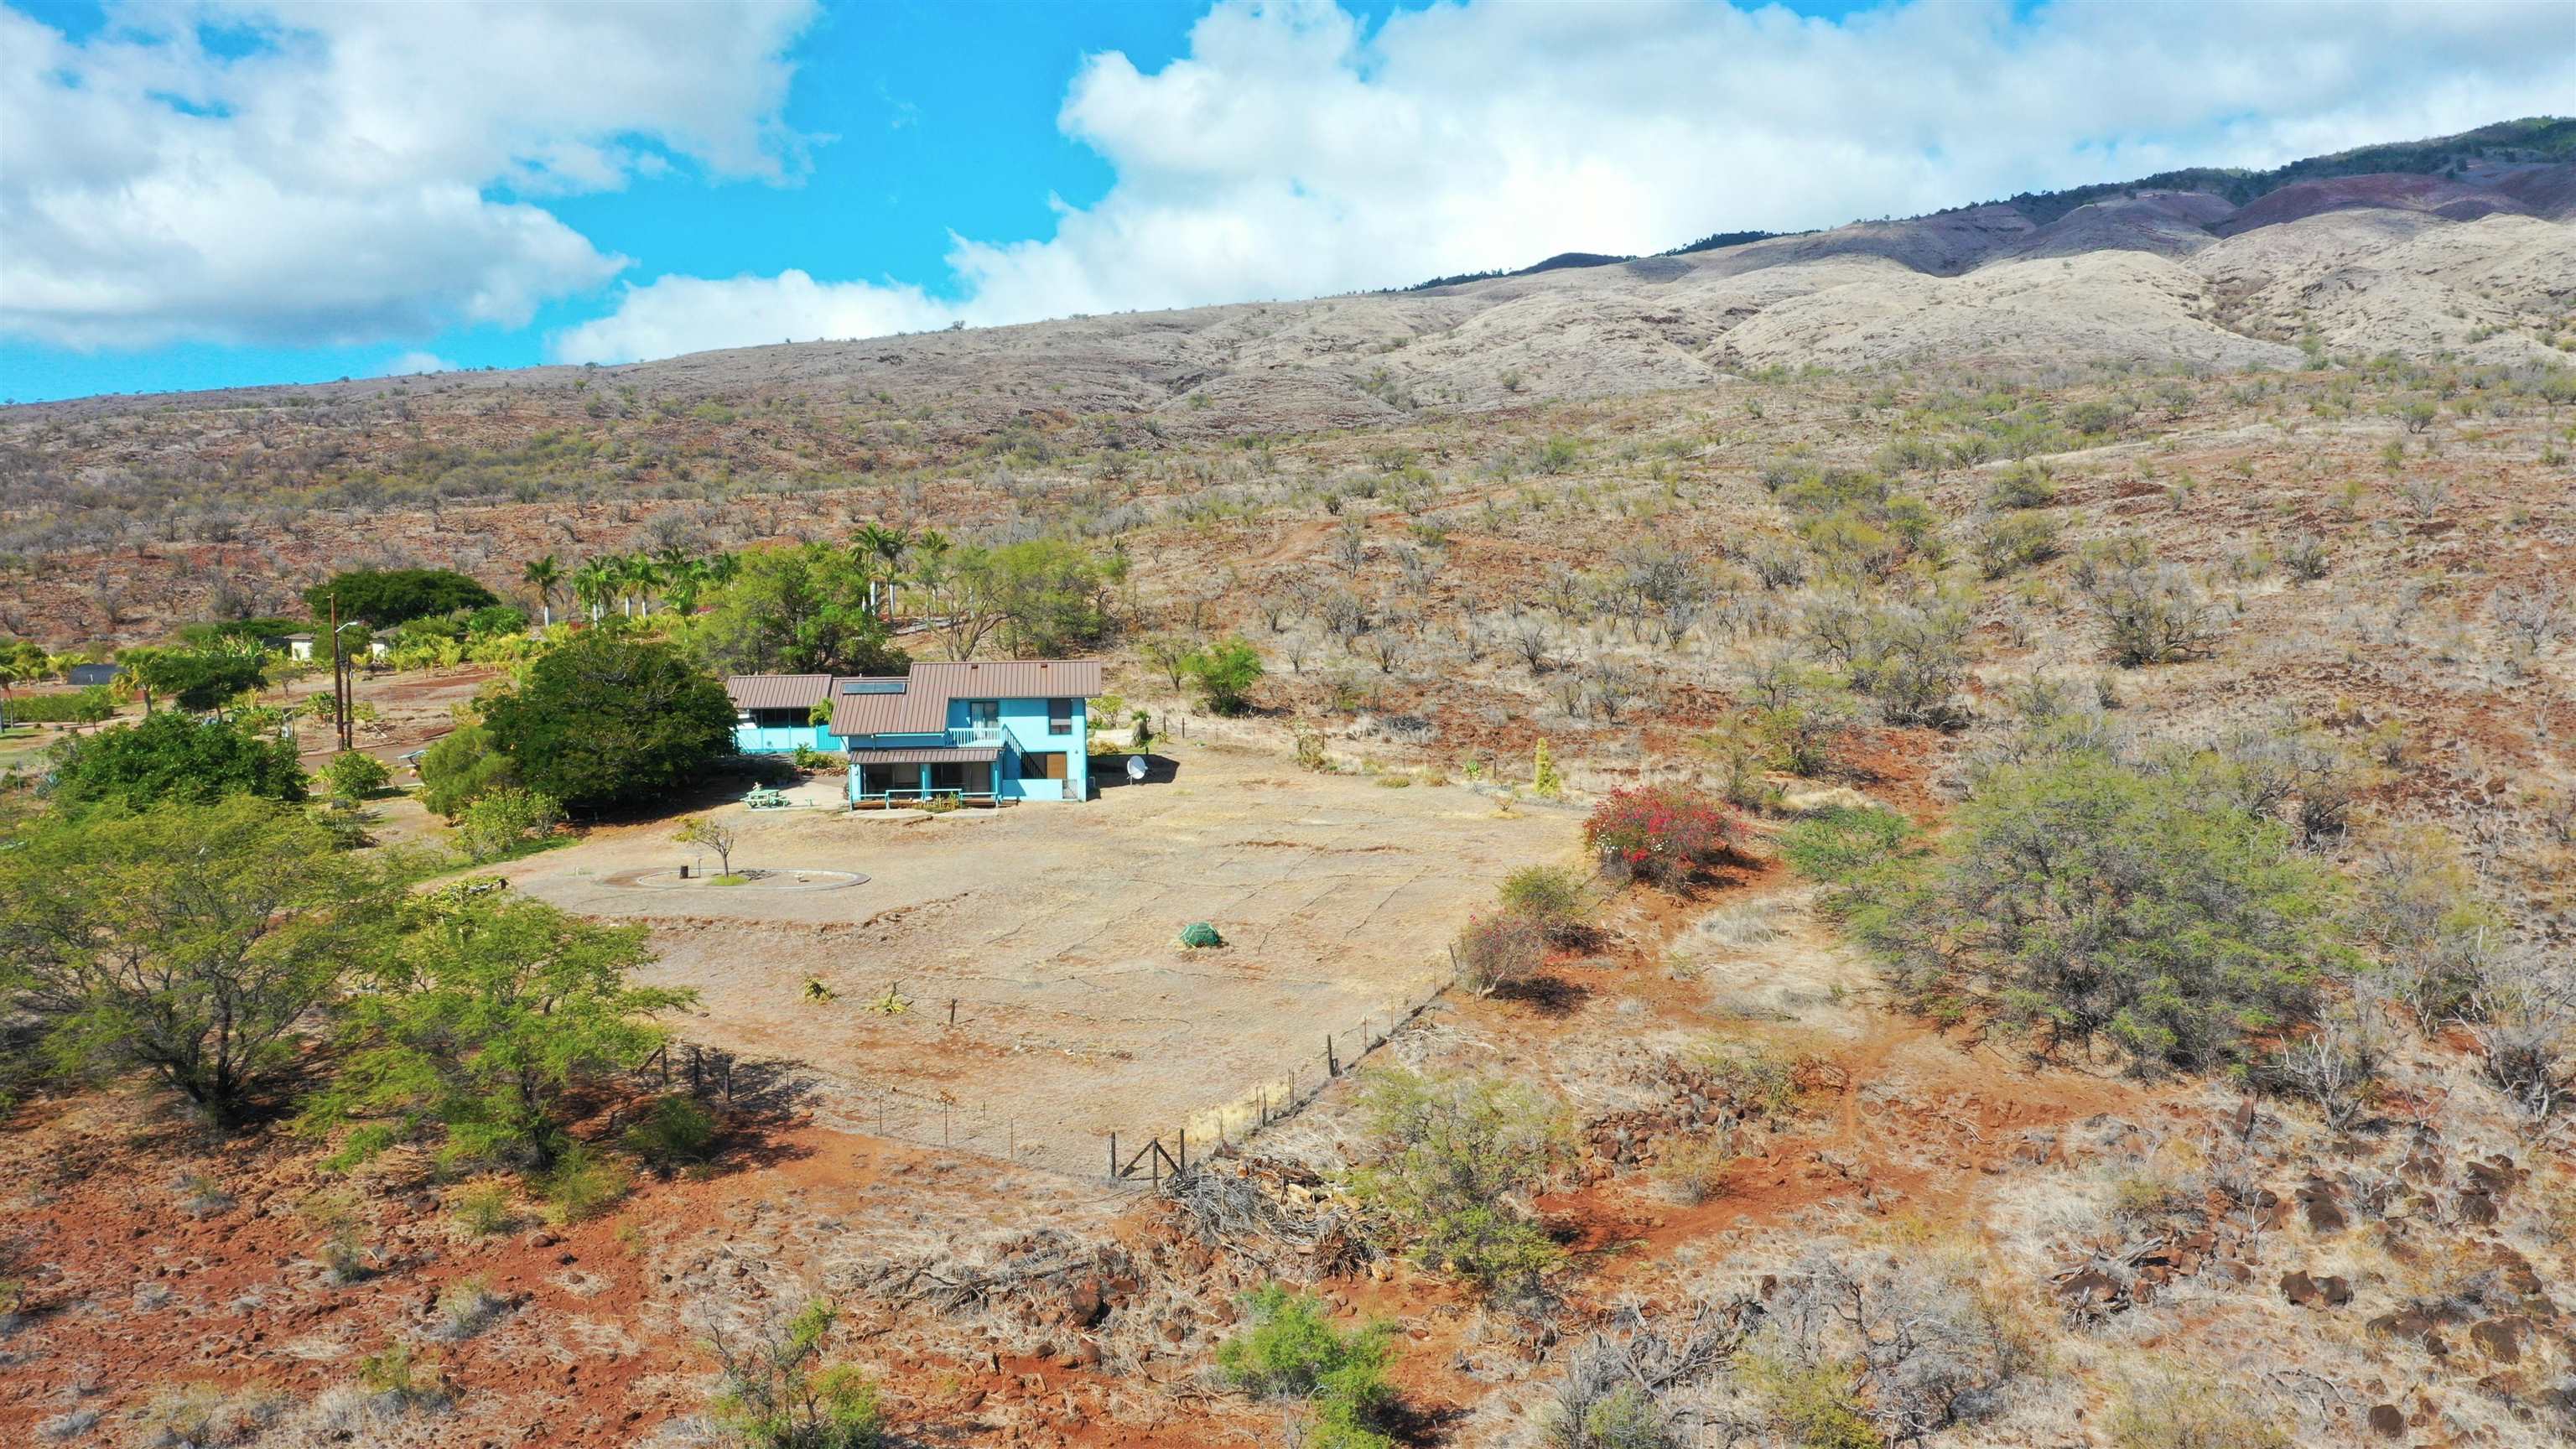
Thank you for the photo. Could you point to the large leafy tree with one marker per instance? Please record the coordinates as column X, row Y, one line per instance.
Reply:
column 796, row 610
column 482, row 1021
column 198, row 679
column 187, row 940
column 605, row 719
column 386, row 597
column 176, row 758
column 1052, row 597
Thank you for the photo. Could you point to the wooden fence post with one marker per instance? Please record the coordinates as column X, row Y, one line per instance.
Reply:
column 1332, row 1067
column 1113, row 1157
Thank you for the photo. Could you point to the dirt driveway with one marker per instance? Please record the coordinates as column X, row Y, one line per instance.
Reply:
column 1054, row 930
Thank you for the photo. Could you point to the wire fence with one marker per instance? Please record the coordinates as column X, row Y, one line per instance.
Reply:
column 981, row 1128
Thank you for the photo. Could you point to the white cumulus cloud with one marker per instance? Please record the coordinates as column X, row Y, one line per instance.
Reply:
column 354, row 171
column 672, row 315
column 1293, row 152
column 405, row 364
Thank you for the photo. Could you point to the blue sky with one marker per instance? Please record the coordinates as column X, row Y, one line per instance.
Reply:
column 200, row 193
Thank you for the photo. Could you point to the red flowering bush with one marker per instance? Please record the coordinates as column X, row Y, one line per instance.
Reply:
column 1658, row 832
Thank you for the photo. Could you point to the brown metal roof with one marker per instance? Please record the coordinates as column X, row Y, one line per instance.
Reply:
column 922, row 707
column 879, row 712
column 1015, row 678
column 778, row 691
column 929, row 755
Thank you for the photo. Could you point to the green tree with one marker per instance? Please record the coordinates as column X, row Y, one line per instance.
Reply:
column 796, row 610
column 186, row 940
column 462, row 767
column 604, row 719
column 355, row 775
column 175, row 758
column 1050, row 598
column 481, row 1021
column 201, row 680
column 387, row 597
column 1224, row 673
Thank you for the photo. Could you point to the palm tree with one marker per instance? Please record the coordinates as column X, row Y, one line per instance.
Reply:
column 643, row 576
column 876, row 551
column 685, row 580
column 592, row 583
column 22, row 662
column 544, row 575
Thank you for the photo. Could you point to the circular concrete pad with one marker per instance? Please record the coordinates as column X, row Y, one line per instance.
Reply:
column 755, row 879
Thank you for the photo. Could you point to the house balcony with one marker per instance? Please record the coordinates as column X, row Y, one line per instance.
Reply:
column 976, row 734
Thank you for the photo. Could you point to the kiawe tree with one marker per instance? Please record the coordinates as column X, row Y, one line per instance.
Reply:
column 386, row 597
column 480, row 1024
column 188, row 941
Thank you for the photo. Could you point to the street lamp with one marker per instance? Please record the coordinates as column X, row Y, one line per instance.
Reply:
column 340, row 686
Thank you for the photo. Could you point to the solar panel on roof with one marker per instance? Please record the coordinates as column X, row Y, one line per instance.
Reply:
column 872, row 686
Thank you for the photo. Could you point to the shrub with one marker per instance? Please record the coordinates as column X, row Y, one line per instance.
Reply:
column 584, row 1184
column 174, row 758
column 1815, row 1405
column 86, row 706
column 2024, row 485
column 1658, row 832
column 1756, row 1080
column 2155, row 616
column 2082, row 896
column 1452, row 1152
column 467, row 1307
column 1224, row 674
column 460, row 769
column 1838, row 844
column 1588, row 1415
column 2014, row 542
column 1694, row 1172
column 2176, row 1415
column 483, row 1209
column 673, row 1131
column 778, row 1393
column 404, row 1376
column 1831, row 1371
column 1289, row 1351
column 503, row 820
column 1500, row 950
column 355, row 775
column 1550, row 896
column 1544, row 782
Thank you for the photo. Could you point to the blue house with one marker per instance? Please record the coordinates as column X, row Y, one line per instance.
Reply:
column 997, row 731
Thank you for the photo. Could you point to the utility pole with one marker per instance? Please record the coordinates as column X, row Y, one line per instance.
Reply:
column 339, row 678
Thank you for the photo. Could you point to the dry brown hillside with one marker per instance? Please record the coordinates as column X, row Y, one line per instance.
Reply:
column 2194, row 578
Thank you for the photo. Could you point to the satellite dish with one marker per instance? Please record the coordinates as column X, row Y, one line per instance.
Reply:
column 1136, row 767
